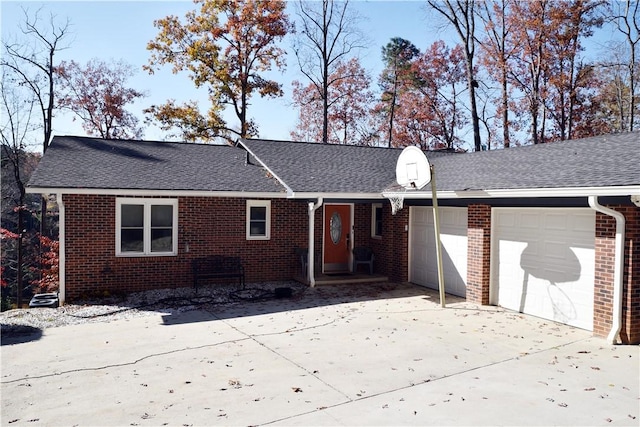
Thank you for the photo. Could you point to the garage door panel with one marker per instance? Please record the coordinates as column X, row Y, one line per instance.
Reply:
column 453, row 237
column 546, row 269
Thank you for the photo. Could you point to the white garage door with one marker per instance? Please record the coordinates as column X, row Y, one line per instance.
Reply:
column 543, row 263
column 423, row 266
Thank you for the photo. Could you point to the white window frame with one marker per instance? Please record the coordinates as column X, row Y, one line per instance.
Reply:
column 146, row 203
column 259, row 203
column 374, row 218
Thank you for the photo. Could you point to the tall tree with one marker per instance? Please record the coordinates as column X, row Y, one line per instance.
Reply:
column 614, row 94
column 397, row 57
column 348, row 112
column 16, row 112
column 97, row 94
column 461, row 15
column 328, row 35
column 627, row 18
column 569, row 78
column 549, row 71
column 532, row 27
column 496, row 53
column 32, row 61
column 430, row 112
column 226, row 47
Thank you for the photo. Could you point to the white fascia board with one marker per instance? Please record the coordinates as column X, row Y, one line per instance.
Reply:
column 155, row 193
column 521, row 193
column 357, row 196
column 281, row 181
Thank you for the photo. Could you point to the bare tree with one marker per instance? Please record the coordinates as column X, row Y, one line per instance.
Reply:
column 16, row 112
column 32, row 61
column 496, row 56
column 328, row 35
column 460, row 14
column 627, row 17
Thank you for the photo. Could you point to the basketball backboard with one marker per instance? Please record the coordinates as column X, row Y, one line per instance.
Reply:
column 412, row 169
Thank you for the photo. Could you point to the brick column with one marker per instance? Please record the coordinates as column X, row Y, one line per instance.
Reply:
column 630, row 332
column 604, row 275
column 478, row 253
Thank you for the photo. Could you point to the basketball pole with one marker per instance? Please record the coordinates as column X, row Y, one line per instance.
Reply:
column 436, row 226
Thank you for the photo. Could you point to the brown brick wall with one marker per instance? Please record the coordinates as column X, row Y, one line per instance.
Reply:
column 604, row 275
column 207, row 226
column 392, row 248
column 478, row 253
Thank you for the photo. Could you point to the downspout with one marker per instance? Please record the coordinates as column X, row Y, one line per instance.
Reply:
column 614, row 335
column 311, row 258
column 61, row 249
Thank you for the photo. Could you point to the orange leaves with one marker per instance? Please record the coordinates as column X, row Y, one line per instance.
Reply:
column 223, row 46
column 97, row 94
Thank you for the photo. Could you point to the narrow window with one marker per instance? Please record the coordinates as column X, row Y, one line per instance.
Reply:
column 258, row 219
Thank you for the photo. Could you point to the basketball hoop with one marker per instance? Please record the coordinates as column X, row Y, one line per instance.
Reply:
column 397, row 200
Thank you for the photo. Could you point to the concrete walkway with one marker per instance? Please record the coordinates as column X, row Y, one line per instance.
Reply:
column 377, row 354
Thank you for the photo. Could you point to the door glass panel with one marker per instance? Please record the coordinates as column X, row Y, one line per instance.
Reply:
column 335, row 225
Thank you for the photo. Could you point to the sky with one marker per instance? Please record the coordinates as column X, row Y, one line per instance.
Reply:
column 120, row 30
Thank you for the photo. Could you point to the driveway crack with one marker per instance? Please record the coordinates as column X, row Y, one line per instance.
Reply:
column 118, row 365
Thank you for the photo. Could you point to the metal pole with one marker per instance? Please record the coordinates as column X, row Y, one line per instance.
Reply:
column 436, row 224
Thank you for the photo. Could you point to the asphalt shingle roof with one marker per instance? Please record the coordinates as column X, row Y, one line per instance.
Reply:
column 81, row 162
column 327, row 168
column 602, row 161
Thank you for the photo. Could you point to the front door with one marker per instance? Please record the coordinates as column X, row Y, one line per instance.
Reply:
column 337, row 238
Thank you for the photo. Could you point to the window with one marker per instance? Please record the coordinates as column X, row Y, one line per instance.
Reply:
column 258, row 219
column 146, row 227
column 376, row 220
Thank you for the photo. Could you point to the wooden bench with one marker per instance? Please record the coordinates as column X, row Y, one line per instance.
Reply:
column 217, row 267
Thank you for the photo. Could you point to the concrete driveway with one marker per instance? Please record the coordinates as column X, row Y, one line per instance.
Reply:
column 379, row 354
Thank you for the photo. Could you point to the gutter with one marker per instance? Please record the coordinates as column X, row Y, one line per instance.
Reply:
column 519, row 193
column 614, row 335
column 155, row 193
column 311, row 258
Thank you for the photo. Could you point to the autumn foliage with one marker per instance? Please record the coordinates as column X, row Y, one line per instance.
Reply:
column 226, row 47
column 48, row 268
column 350, row 99
column 97, row 94
column 530, row 77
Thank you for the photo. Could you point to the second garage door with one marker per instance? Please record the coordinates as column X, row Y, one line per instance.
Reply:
column 423, row 268
column 543, row 263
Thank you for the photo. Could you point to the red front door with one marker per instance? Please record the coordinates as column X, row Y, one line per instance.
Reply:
column 337, row 238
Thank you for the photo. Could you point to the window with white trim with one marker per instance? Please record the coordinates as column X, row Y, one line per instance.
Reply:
column 258, row 219
column 146, row 227
column 376, row 220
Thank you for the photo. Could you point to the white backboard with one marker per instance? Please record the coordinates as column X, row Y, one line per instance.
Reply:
column 412, row 169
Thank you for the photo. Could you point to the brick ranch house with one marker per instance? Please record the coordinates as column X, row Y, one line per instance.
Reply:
column 551, row 230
